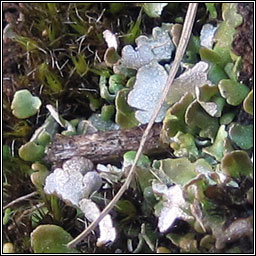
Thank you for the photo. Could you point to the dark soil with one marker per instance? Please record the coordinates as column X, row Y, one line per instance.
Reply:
column 243, row 46
column 12, row 53
column 243, row 42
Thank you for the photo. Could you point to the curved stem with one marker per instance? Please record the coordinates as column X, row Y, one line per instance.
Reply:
column 17, row 200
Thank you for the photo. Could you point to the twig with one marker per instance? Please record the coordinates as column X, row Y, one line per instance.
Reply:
column 103, row 147
column 17, row 200
column 186, row 32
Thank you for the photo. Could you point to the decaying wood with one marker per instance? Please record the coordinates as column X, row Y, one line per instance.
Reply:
column 104, row 147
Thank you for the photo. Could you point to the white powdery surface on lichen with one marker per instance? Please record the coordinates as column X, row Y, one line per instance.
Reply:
column 157, row 47
column 174, row 205
column 150, row 81
column 149, row 85
column 74, row 181
column 66, row 185
column 188, row 81
column 92, row 212
column 207, row 35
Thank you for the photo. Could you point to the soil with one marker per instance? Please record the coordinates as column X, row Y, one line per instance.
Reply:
column 11, row 51
column 243, row 42
column 243, row 46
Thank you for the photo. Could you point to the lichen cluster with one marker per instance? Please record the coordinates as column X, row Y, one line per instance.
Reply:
column 77, row 76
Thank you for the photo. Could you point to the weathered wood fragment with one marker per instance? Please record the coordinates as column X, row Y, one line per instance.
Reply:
column 104, row 147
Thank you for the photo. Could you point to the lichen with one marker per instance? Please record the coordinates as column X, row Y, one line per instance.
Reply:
column 73, row 181
column 242, row 135
column 157, row 47
column 236, row 164
column 154, row 10
column 51, row 239
column 103, row 66
column 150, row 81
column 91, row 212
column 24, row 104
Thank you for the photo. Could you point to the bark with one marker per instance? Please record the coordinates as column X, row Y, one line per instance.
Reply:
column 104, row 147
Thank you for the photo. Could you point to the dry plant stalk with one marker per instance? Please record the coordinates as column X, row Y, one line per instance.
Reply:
column 186, row 32
column 18, row 200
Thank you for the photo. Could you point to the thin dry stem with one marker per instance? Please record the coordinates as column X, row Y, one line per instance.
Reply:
column 17, row 200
